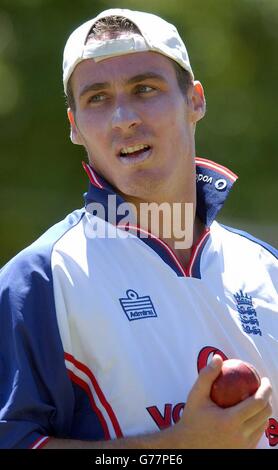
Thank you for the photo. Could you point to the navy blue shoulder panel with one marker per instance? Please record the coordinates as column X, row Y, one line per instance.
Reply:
column 265, row 245
column 36, row 395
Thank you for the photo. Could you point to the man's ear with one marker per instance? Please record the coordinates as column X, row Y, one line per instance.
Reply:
column 198, row 101
column 74, row 132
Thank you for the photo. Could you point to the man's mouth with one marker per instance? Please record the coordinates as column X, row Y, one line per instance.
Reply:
column 134, row 153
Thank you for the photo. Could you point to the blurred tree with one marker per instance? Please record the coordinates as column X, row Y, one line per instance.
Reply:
column 233, row 49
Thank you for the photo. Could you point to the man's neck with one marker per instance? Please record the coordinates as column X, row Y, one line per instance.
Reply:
column 184, row 254
column 174, row 223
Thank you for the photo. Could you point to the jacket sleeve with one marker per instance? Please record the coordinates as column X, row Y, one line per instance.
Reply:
column 36, row 396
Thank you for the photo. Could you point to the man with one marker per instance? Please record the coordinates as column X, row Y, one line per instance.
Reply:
column 111, row 337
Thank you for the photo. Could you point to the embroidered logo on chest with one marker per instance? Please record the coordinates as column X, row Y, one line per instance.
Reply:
column 247, row 314
column 136, row 307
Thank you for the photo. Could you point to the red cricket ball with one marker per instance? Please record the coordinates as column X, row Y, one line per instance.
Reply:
column 237, row 380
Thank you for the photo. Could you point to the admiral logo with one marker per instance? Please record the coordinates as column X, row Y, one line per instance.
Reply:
column 136, row 307
column 247, row 314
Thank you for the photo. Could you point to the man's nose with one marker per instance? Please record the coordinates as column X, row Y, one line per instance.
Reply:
column 125, row 116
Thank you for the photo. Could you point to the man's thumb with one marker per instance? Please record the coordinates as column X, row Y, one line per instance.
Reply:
column 201, row 388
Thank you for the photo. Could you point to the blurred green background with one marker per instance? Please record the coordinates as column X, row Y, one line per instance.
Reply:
column 233, row 48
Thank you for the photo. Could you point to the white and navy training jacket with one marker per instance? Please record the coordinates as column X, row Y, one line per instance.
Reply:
column 104, row 337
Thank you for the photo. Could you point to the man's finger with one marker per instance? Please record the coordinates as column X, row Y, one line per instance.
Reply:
column 253, row 405
column 256, row 436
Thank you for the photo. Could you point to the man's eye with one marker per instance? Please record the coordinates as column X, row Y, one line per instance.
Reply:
column 97, row 98
column 144, row 89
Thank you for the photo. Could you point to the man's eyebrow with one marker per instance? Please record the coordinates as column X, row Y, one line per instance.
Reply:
column 145, row 76
column 136, row 79
column 94, row 87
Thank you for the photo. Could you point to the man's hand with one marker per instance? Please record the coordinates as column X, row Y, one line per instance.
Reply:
column 204, row 425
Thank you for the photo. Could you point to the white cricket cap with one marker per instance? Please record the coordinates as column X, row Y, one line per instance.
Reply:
column 157, row 35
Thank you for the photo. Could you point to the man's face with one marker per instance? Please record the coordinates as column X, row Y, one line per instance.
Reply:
column 135, row 123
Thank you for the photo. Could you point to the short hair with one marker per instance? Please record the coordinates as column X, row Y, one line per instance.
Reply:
column 109, row 27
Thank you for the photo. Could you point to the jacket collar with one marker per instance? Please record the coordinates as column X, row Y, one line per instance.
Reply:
column 213, row 182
